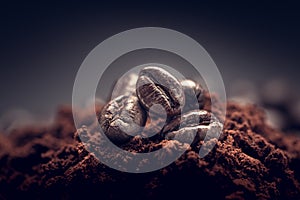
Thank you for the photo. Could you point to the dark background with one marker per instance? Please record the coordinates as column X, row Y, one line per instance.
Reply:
column 43, row 44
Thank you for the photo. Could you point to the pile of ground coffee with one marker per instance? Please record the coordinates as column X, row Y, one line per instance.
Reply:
column 250, row 160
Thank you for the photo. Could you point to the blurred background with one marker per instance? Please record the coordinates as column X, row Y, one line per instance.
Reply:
column 255, row 45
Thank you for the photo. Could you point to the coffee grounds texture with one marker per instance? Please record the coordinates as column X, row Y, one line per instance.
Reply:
column 249, row 161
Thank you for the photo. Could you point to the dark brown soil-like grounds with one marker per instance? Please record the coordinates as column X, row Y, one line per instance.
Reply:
column 250, row 161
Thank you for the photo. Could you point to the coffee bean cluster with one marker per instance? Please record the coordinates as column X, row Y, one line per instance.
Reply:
column 161, row 104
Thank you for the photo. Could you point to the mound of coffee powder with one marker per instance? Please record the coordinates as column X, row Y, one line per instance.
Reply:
column 250, row 160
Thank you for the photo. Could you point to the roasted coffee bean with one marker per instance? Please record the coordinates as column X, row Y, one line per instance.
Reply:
column 193, row 94
column 191, row 118
column 157, row 86
column 194, row 124
column 122, row 118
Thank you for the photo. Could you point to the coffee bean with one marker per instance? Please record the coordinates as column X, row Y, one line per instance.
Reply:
column 122, row 118
column 157, row 86
column 156, row 107
column 191, row 118
column 194, row 124
column 193, row 94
